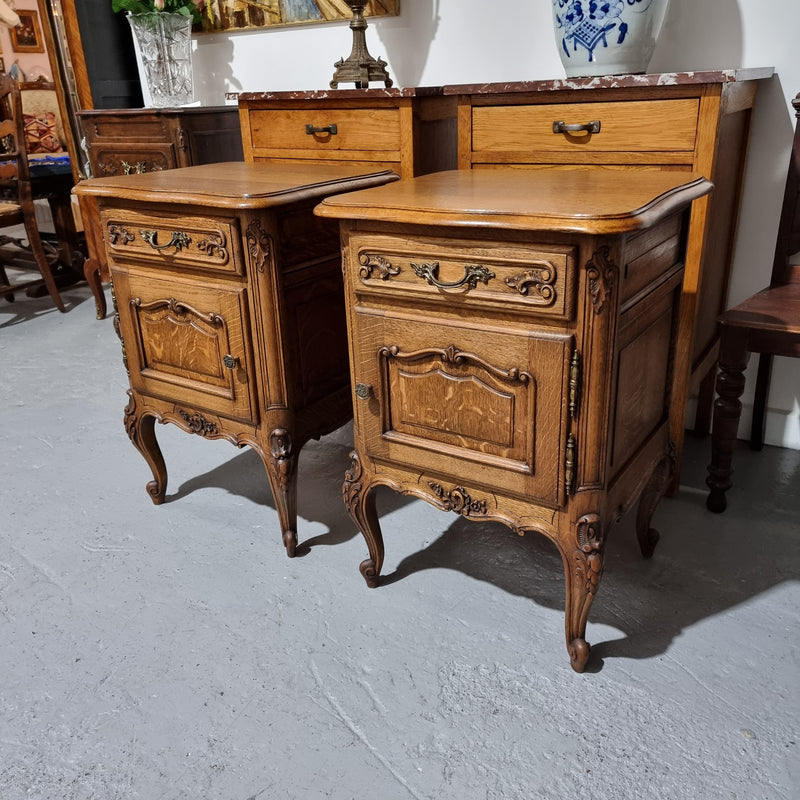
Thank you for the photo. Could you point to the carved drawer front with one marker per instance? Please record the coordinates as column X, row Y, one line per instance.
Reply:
column 450, row 398
column 172, row 241
column 662, row 131
column 311, row 132
column 481, row 275
column 187, row 341
column 111, row 159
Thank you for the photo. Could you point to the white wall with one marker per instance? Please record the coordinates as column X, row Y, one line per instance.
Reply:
column 436, row 42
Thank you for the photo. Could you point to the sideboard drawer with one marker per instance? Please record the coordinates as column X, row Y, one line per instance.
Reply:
column 526, row 133
column 319, row 130
column 479, row 274
column 173, row 242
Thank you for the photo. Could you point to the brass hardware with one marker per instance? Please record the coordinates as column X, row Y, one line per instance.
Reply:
column 569, row 465
column 331, row 129
column 133, row 169
column 574, row 383
column 458, row 500
column 472, row 274
column 588, row 127
column 359, row 67
column 363, row 391
column 383, row 266
column 537, row 283
column 229, row 361
column 179, row 240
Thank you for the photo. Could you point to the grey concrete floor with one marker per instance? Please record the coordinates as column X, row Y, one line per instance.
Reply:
column 165, row 652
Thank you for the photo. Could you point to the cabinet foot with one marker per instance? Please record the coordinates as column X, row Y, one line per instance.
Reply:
column 282, row 476
column 290, row 543
column 579, row 650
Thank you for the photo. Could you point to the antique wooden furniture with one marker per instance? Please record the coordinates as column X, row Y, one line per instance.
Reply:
column 16, row 201
column 410, row 131
column 124, row 141
column 767, row 323
column 695, row 121
column 230, row 309
column 512, row 340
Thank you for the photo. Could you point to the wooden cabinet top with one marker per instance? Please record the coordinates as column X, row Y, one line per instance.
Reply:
column 236, row 185
column 656, row 79
column 568, row 201
column 135, row 113
column 331, row 95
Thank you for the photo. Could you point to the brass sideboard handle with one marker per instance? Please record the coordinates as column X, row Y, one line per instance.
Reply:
column 472, row 274
column 229, row 361
column 589, row 127
column 133, row 169
column 363, row 391
column 178, row 240
column 331, row 129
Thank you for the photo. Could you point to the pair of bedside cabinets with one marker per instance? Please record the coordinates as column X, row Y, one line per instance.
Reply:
column 525, row 326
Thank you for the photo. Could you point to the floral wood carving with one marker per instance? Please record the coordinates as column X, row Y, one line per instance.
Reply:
column 198, row 423
column 280, row 450
column 602, row 275
column 351, row 488
column 458, row 500
column 381, row 265
column 589, row 554
column 538, row 282
column 258, row 245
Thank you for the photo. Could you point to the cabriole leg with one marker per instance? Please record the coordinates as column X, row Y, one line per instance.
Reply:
column 583, row 568
column 360, row 502
column 141, row 432
column 282, row 477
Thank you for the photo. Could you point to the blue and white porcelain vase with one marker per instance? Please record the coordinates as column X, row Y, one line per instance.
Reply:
column 615, row 37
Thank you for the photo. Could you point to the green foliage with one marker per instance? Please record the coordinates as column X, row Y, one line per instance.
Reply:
column 189, row 8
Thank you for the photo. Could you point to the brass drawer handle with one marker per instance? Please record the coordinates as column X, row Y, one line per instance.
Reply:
column 133, row 169
column 472, row 274
column 331, row 129
column 179, row 240
column 363, row 391
column 589, row 127
column 229, row 361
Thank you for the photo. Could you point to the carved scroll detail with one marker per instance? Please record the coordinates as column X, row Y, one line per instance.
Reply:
column 589, row 553
column 602, row 274
column 381, row 265
column 351, row 488
column 259, row 245
column 198, row 423
column 538, row 281
column 119, row 234
column 214, row 246
column 280, row 450
column 452, row 355
column 179, row 309
column 458, row 500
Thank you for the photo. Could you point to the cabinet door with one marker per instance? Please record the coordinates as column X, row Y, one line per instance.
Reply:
column 447, row 398
column 187, row 343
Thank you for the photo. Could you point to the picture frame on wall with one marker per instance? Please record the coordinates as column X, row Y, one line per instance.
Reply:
column 27, row 36
column 233, row 15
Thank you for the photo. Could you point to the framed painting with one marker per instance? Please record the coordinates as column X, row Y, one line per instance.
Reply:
column 27, row 36
column 232, row 15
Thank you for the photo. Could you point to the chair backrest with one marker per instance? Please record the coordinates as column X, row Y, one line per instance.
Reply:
column 786, row 265
column 14, row 169
column 41, row 114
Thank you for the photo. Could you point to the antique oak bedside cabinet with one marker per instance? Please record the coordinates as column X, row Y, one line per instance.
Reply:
column 230, row 308
column 512, row 338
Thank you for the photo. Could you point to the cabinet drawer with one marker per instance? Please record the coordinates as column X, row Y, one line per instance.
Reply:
column 188, row 341
column 450, row 398
column 120, row 160
column 474, row 275
column 525, row 133
column 171, row 240
column 364, row 130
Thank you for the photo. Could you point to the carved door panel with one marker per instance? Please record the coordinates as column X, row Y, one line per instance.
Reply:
column 436, row 396
column 188, row 341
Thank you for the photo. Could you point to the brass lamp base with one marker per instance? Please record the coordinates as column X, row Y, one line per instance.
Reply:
column 359, row 67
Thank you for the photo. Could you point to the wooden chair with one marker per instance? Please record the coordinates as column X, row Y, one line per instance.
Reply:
column 767, row 323
column 16, row 202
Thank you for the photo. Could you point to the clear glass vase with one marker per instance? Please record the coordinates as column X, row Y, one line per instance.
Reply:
column 164, row 44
